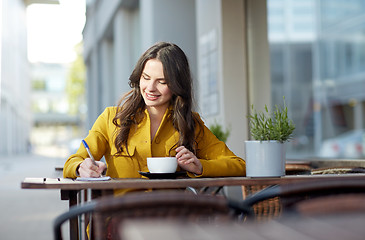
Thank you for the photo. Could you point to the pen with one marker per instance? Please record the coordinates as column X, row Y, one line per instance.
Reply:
column 88, row 151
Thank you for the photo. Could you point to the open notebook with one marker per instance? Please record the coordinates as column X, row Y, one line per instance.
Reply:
column 93, row 179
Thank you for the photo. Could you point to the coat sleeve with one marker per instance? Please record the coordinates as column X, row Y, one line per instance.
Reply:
column 98, row 140
column 217, row 159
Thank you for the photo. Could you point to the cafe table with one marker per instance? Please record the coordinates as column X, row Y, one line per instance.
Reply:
column 329, row 227
column 69, row 187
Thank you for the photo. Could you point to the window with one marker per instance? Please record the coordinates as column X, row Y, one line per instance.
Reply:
column 317, row 57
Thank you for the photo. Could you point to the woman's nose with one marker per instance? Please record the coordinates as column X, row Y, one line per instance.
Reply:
column 151, row 85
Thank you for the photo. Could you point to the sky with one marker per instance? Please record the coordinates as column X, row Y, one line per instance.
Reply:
column 54, row 30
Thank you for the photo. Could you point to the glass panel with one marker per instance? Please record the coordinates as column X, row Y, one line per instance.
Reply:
column 317, row 52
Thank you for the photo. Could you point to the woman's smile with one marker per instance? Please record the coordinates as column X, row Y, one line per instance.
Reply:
column 152, row 97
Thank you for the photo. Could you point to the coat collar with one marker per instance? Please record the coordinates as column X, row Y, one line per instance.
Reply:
column 140, row 137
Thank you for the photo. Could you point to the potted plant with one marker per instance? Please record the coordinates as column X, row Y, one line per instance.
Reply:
column 265, row 155
column 218, row 131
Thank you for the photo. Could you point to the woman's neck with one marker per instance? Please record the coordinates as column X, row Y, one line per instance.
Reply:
column 156, row 115
column 156, row 112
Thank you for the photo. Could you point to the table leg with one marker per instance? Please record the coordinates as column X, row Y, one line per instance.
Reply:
column 94, row 195
column 71, row 196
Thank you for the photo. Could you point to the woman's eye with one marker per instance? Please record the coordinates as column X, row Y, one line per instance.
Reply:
column 145, row 77
column 163, row 82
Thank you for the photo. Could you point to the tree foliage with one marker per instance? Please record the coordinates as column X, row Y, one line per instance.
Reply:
column 75, row 87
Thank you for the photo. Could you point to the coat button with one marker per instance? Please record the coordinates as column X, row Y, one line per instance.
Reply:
column 157, row 140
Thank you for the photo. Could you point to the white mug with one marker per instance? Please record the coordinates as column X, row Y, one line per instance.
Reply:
column 162, row 164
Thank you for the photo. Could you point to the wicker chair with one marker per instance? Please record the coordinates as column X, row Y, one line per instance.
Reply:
column 110, row 212
column 272, row 207
column 309, row 198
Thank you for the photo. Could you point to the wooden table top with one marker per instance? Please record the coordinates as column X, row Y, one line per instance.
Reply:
column 142, row 183
column 329, row 227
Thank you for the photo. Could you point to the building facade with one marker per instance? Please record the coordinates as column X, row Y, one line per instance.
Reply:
column 222, row 39
column 15, row 107
column 15, row 117
column 317, row 62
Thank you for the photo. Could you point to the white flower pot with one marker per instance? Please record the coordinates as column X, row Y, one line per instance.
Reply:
column 265, row 158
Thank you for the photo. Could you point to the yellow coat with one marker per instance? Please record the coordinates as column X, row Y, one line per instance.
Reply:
column 216, row 158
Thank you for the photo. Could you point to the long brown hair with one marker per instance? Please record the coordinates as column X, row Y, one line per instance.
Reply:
column 178, row 78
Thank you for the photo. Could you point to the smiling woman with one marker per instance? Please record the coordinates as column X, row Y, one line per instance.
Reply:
column 54, row 30
column 155, row 119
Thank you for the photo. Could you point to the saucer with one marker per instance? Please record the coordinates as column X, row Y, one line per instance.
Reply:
column 163, row 175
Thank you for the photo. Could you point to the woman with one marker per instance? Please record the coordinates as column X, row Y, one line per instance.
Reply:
column 154, row 119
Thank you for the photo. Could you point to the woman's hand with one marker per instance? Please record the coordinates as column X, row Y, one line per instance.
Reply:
column 88, row 169
column 188, row 161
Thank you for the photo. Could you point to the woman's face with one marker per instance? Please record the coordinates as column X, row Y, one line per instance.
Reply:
column 153, row 86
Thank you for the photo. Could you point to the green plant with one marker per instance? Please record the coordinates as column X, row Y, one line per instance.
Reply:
column 217, row 130
column 76, row 79
column 265, row 126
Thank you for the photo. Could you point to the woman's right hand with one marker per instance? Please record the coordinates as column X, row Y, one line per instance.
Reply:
column 87, row 169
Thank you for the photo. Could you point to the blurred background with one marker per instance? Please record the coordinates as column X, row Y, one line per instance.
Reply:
column 63, row 61
column 42, row 77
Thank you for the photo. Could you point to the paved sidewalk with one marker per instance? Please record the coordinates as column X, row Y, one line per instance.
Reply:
column 28, row 214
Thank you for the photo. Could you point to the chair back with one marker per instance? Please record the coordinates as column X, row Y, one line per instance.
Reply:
column 305, row 198
column 110, row 212
column 72, row 213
